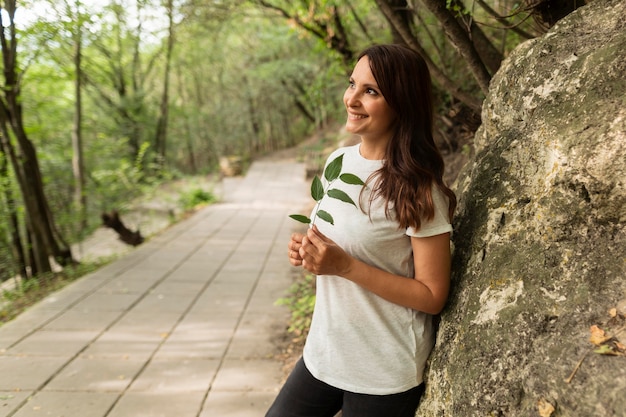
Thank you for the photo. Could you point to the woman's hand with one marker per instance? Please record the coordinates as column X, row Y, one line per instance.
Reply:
column 322, row 256
column 294, row 246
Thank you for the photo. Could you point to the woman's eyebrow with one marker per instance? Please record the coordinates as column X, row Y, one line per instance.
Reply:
column 366, row 85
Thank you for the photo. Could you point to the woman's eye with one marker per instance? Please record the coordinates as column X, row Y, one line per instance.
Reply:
column 351, row 84
column 371, row 91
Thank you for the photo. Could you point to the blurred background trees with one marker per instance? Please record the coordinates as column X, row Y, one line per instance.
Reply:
column 101, row 98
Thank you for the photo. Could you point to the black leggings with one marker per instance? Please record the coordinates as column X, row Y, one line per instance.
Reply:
column 305, row 396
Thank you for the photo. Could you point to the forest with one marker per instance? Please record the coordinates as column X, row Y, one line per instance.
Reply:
column 103, row 99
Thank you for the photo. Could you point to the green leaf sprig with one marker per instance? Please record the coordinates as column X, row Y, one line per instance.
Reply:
column 331, row 173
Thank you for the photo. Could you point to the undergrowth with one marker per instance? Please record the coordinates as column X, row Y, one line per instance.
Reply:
column 196, row 197
column 29, row 291
column 300, row 301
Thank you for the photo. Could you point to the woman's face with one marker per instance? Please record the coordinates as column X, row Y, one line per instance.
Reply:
column 369, row 115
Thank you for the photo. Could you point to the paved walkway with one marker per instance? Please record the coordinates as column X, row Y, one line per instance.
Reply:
column 183, row 326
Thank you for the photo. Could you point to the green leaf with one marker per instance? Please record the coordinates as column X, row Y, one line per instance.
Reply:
column 340, row 195
column 351, row 179
column 334, row 168
column 317, row 189
column 605, row 350
column 300, row 218
column 324, row 215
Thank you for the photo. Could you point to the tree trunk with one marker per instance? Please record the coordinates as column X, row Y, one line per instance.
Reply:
column 488, row 53
column 17, row 248
column 78, row 165
column 113, row 221
column 161, row 130
column 461, row 41
column 47, row 241
column 401, row 10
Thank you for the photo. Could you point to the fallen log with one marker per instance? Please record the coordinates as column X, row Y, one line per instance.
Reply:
column 113, row 221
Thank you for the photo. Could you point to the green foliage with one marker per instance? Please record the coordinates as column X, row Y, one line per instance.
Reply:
column 122, row 180
column 195, row 198
column 332, row 172
column 300, row 301
column 29, row 291
column 457, row 8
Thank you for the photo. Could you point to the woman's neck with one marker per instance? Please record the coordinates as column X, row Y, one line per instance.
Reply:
column 374, row 151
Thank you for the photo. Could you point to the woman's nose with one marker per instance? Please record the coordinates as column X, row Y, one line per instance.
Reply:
column 350, row 98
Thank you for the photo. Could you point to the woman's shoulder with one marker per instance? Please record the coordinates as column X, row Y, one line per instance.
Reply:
column 344, row 150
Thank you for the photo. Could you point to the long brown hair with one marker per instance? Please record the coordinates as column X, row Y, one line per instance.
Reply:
column 412, row 162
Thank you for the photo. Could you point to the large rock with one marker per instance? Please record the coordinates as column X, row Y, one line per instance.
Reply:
column 540, row 239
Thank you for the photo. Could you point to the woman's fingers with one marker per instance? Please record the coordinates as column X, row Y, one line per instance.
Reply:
column 293, row 249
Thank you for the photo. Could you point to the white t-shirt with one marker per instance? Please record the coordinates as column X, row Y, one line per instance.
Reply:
column 358, row 341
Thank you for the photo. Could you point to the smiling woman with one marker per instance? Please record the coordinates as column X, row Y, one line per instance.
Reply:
column 369, row 115
column 383, row 267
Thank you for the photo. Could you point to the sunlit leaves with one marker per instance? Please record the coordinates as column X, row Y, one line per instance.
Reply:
column 332, row 172
column 301, row 218
column 317, row 189
column 351, row 179
column 333, row 169
column 324, row 215
column 340, row 195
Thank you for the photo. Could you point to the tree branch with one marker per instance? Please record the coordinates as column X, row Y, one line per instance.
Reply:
column 461, row 42
column 446, row 83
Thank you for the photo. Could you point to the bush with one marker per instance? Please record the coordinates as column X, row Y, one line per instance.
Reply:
column 301, row 300
column 196, row 197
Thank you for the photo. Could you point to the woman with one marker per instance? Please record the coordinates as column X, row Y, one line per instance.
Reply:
column 384, row 269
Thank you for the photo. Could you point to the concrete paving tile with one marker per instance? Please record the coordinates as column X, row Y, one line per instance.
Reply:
column 158, row 302
column 89, row 282
column 32, row 319
column 176, row 375
column 11, row 335
column 256, row 336
column 201, row 342
column 196, row 321
column 229, row 284
column 101, row 301
column 62, row 299
column 266, row 296
column 218, row 248
column 23, row 373
column 157, row 322
column 82, row 320
column 158, row 404
column 242, row 266
column 64, row 343
column 195, row 274
column 241, row 278
column 68, row 404
column 237, row 404
column 187, row 287
column 216, row 305
column 143, row 273
column 249, row 375
column 11, row 401
column 96, row 374
column 125, row 345
column 124, row 285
